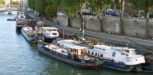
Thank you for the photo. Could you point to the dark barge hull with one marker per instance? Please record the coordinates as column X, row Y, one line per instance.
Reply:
column 49, row 40
column 18, row 29
column 117, row 66
column 30, row 39
column 68, row 61
column 146, row 67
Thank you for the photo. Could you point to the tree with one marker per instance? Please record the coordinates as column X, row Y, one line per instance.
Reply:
column 2, row 2
column 73, row 8
column 70, row 9
column 51, row 10
column 31, row 3
column 146, row 6
column 79, row 7
column 115, row 4
column 38, row 6
column 15, row 2
column 99, row 6
column 121, row 6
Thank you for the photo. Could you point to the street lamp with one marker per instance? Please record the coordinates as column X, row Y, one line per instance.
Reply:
column 83, row 28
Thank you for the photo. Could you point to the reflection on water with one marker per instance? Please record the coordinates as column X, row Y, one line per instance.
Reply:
column 17, row 57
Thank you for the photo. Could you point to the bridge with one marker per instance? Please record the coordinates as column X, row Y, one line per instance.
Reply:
column 9, row 7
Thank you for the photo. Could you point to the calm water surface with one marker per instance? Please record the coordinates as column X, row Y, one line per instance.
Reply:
column 17, row 57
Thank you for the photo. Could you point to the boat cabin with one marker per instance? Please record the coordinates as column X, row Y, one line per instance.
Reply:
column 50, row 32
column 72, row 48
column 72, row 54
column 28, row 30
column 117, row 54
column 21, row 16
column 67, row 41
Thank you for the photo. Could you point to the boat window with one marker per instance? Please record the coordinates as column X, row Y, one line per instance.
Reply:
column 58, row 44
column 127, row 51
column 101, row 55
column 75, row 50
column 122, row 53
column 113, row 54
column 92, row 53
column 53, row 33
column 103, row 49
column 91, row 47
column 96, row 48
column 88, row 52
column 95, row 54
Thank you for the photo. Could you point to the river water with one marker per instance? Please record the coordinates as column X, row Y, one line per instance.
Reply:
column 18, row 57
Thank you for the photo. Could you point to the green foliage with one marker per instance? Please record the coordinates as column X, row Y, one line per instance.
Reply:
column 44, row 7
column 70, row 8
column 142, row 4
column 40, row 6
column 116, row 4
column 99, row 5
column 2, row 2
column 31, row 3
column 148, row 53
column 45, row 25
column 51, row 10
column 15, row 2
column 94, row 41
column 146, row 6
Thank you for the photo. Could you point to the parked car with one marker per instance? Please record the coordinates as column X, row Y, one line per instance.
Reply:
column 116, row 13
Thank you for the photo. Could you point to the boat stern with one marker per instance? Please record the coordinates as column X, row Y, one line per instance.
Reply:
column 135, row 60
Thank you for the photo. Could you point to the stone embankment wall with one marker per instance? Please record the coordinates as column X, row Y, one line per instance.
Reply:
column 132, row 27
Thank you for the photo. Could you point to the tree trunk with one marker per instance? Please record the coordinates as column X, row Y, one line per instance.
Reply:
column 122, row 17
column 69, row 22
column 101, row 24
column 147, row 20
column 147, row 26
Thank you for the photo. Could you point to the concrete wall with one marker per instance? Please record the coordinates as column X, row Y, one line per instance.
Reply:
column 132, row 27
column 111, row 25
column 61, row 19
column 75, row 22
column 151, row 30
column 92, row 23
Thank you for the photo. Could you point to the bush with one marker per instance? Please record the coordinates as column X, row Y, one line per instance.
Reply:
column 95, row 41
